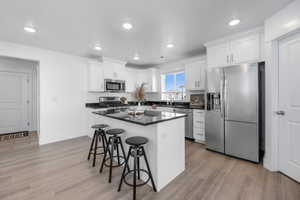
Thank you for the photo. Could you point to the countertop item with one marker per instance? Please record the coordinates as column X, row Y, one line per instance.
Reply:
column 147, row 118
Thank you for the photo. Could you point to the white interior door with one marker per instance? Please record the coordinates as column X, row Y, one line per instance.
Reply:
column 289, row 106
column 13, row 102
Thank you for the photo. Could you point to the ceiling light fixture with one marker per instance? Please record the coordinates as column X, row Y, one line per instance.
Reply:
column 97, row 47
column 136, row 57
column 127, row 26
column 234, row 22
column 30, row 29
column 170, row 45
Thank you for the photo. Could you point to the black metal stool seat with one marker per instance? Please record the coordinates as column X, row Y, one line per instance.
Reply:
column 115, row 131
column 136, row 150
column 99, row 136
column 114, row 141
column 100, row 126
column 136, row 141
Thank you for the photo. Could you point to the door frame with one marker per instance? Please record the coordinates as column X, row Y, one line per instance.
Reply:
column 33, row 75
column 271, row 159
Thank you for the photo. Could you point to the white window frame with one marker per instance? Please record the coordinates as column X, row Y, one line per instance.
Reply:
column 174, row 92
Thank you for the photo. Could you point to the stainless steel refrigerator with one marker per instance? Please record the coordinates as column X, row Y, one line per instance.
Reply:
column 233, row 121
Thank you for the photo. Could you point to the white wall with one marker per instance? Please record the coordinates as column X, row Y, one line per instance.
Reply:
column 62, row 91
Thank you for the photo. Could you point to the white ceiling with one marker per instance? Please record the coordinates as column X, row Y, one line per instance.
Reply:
column 74, row 26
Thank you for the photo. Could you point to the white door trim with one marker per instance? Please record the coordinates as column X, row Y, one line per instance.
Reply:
column 271, row 159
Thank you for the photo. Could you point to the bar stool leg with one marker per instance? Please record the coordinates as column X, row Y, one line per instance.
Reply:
column 104, row 142
column 118, row 155
column 148, row 168
column 138, row 166
column 95, row 149
column 92, row 144
column 134, row 173
column 123, row 152
column 105, row 155
column 111, row 159
column 125, row 167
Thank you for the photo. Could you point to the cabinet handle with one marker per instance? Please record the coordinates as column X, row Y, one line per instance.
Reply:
column 227, row 59
column 232, row 58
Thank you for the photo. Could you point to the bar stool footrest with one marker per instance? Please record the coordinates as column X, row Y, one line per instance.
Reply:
column 116, row 160
column 137, row 185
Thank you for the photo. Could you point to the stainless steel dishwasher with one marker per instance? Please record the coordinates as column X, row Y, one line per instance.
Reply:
column 188, row 121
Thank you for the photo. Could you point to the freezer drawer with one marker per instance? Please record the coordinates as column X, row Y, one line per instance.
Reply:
column 214, row 131
column 242, row 140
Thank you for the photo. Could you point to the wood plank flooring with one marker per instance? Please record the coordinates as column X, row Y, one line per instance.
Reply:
column 60, row 171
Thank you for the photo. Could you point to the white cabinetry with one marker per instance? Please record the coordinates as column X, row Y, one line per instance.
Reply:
column 95, row 77
column 131, row 79
column 245, row 49
column 242, row 48
column 149, row 77
column 114, row 69
column 218, row 55
column 195, row 75
column 199, row 125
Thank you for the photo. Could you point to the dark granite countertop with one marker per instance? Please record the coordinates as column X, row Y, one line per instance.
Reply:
column 147, row 118
column 184, row 105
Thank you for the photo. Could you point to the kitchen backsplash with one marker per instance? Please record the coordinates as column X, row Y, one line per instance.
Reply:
column 93, row 97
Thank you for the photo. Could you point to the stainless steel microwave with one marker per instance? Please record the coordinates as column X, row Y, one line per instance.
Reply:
column 114, row 85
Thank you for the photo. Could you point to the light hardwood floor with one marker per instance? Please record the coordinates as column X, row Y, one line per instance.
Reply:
column 60, row 171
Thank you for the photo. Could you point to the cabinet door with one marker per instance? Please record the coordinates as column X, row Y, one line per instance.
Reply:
column 145, row 76
column 202, row 76
column 218, row 56
column 245, row 49
column 193, row 76
column 130, row 80
column 95, row 77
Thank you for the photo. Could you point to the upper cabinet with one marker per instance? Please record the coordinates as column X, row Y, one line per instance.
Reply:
column 95, row 76
column 218, row 55
column 110, row 69
column 149, row 77
column 113, row 69
column 241, row 48
column 195, row 75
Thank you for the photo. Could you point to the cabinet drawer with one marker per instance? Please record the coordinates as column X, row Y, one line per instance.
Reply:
column 199, row 124
column 198, row 112
column 199, row 134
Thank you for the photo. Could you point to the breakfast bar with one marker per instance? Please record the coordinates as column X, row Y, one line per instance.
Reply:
column 165, row 132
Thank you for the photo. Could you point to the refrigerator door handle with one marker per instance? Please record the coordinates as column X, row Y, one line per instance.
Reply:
column 222, row 100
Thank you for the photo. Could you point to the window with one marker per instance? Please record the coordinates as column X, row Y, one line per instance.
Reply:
column 172, row 86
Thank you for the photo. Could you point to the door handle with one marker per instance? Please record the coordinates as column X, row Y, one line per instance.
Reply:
column 280, row 112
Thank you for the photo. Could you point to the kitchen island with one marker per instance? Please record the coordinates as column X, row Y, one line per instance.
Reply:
column 165, row 132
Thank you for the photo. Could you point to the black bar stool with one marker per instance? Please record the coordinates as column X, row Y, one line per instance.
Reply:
column 114, row 141
column 136, row 150
column 99, row 135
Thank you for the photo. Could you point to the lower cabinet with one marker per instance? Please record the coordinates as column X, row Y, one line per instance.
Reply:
column 199, row 125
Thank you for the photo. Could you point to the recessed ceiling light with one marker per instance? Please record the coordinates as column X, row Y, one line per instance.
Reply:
column 170, row 45
column 136, row 57
column 234, row 22
column 127, row 26
column 30, row 29
column 97, row 47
